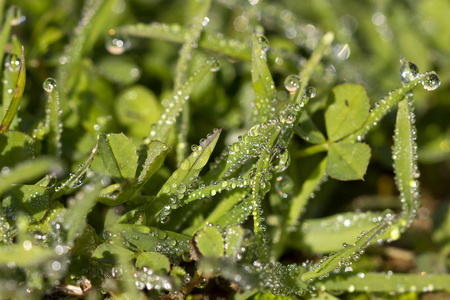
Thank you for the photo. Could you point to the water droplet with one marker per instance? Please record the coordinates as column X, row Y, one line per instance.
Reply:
column 311, row 92
column 431, row 81
column 342, row 51
column 115, row 43
column 12, row 62
column 292, row 83
column 281, row 160
column 284, row 185
column 18, row 17
column 408, row 71
column 80, row 181
column 49, row 84
column 263, row 43
column 215, row 65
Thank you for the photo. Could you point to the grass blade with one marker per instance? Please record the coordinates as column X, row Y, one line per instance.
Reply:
column 11, row 111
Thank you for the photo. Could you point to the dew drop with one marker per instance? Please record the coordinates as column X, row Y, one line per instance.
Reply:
column 49, row 84
column 431, row 81
column 311, row 92
column 408, row 71
column 342, row 51
column 12, row 62
column 281, row 160
column 115, row 43
column 18, row 17
column 215, row 65
column 284, row 185
column 292, row 83
column 263, row 43
column 79, row 181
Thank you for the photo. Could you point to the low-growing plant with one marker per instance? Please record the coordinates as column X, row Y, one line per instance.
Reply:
column 142, row 213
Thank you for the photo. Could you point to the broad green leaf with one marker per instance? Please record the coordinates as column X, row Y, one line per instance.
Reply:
column 186, row 173
column 347, row 112
column 155, row 261
column 299, row 200
column 152, row 239
column 326, row 235
column 348, row 161
column 209, row 242
column 13, row 106
column 308, row 131
column 118, row 155
column 29, row 198
column 234, row 237
column 156, row 155
column 263, row 85
column 15, row 147
column 25, row 256
column 136, row 108
column 109, row 253
column 119, row 69
column 405, row 159
column 26, row 171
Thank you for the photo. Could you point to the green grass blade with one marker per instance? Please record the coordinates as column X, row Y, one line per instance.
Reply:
column 215, row 188
column 53, row 123
column 405, row 159
column 80, row 206
column 13, row 107
column 25, row 258
column 161, row 130
column 6, row 29
column 263, row 85
column 180, row 179
column 175, row 33
column 299, row 201
column 386, row 283
column 27, row 171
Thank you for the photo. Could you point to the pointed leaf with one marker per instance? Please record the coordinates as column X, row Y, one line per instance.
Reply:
column 118, row 193
column 347, row 112
column 263, row 85
column 118, row 155
column 155, row 261
column 188, row 171
column 15, row 101
column 32, row 199
column 156, row 154
column 348, row 161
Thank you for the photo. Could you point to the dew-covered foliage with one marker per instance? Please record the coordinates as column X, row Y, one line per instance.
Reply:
column 223, row 149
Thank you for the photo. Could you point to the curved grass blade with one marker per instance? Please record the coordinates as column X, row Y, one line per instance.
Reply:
column 263, row 85
column 215, row 188
column 13, row 107
column 24, row 258
column 75, row 178
column 181, row 178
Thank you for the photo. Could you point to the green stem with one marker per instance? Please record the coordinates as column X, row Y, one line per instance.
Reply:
column 311, row 150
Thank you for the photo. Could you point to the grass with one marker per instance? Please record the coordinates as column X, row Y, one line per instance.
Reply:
column 239, row 150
